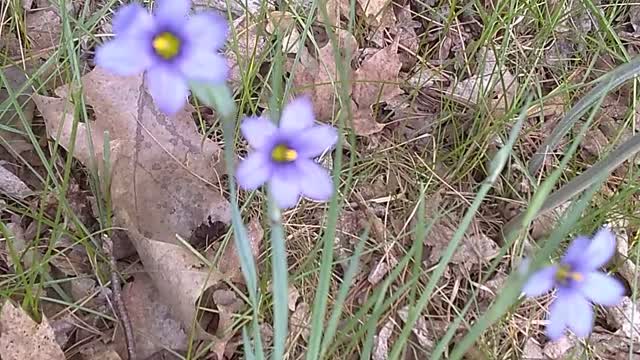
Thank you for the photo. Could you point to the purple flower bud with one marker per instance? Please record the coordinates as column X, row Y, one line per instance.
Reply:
column 171, row 46
column 579, row 284
column 283, row 155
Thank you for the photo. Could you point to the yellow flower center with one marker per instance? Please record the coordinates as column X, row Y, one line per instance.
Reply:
column 282, row 153
column 166, row 45
column 564, row 273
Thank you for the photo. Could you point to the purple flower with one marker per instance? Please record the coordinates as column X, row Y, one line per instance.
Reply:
column 284, row 154
column 172, row 47
column 579, row 284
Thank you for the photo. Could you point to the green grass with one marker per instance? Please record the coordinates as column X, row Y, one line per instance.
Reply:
column 520, row 33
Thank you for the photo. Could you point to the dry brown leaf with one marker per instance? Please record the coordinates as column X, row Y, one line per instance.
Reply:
column 285, row 23
column 16, row 79
column 175, row 270
column 12, row 186
column 161, row 173
column 107, row 355
column 236, row 7
column 300, row 321
column 229, row 264
column 558, row 349
column 44, row 28
column 294, row 295
column 376, row 81
column 610, row 346
column 316, row 78
column 381, row 268
column 381, row 342
column 228, row 304
column 97, row 350
column 634, row 18
column 491, row 85
column 374, row 9
column 420, row 329
column 474, row 249
column 335, row 10
column 22, row 339
column 626, row 317
column 545, row 223
column 532, row 351
column 23, row 247
column 249, row 44
column 152, row 322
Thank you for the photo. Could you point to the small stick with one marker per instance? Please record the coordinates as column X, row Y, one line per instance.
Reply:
column 107, row 246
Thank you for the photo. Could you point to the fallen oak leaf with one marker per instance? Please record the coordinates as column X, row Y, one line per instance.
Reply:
column 22, row 339
column 160, row 171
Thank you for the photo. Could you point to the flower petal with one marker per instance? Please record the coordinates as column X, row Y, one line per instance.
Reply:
column 131, row 19
column 168, row 89
column 207, row 30
column 313, row 141
column 171, row 10
column 284, row 188
column 253, row 171
column 258, row 131
column 600, row 250
column 123, row 57
column 297, row 115
column 315, row 182
column 540, row 282
column 601, row 288
column 558, row 317
column 576, row 250
column 205, row 65
column 580, row 314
